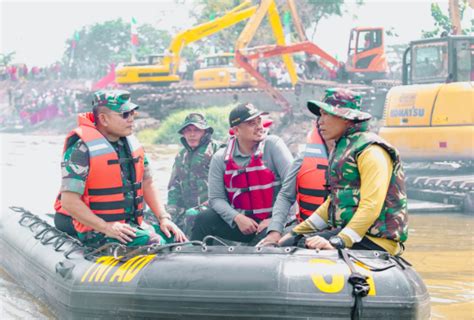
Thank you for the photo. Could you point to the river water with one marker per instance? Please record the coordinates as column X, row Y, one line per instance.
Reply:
column 440, row 246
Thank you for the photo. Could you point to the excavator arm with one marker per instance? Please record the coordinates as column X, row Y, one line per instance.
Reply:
column 274, row 50
column 166, row 72
column 231, row 18
column 269, row 8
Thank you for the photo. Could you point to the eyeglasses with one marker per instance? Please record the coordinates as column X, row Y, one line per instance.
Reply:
column 125, row 115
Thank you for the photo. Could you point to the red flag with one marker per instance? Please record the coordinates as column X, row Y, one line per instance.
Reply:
column 134, row 32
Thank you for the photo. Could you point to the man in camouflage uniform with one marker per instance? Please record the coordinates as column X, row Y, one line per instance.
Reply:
column 187, row 188
column 106, row 179
column 367, row 205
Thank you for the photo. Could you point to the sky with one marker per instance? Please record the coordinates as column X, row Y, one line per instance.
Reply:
column 37, row 30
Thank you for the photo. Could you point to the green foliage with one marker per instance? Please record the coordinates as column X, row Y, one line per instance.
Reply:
column 442, row 21
column 310, row 12
column 102, row 44
column 6, row 58
column 225, row 39
column 217, row 117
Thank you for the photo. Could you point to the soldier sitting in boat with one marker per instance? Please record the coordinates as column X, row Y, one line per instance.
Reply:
column 367, row 205
column 187, row 188
column 244, row 179
column 106, row 179
column 305, row 184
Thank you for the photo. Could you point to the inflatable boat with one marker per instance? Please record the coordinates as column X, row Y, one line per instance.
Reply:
column 199, row 281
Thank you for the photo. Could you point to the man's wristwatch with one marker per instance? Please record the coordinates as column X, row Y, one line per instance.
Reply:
column 337, row 242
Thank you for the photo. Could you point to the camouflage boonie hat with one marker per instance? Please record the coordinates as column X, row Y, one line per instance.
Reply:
column 115, row 100
column 196, row 119
column 341, row 103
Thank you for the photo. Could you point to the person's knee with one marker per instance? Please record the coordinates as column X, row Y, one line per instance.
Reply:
column 203, row 224
column 205, row 218
column 64, row 223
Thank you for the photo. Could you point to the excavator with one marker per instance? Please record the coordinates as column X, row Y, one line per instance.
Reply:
column 430, row 117
column 231, row 76
column 162, row 70
column 219, row 71
column 366, row 59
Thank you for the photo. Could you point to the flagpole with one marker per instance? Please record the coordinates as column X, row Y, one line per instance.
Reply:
column 133, row 39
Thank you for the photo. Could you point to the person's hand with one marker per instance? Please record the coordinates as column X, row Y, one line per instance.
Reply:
column 168, row 227
column 272, row 238
column 318, row 242
column 284, row 238
column 123, row 232
column 263, row 225
column 246, row 225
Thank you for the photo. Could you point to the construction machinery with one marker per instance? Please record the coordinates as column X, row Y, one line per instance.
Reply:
column 366, row 59
column 219, row 71
column 430, row 119
column 431, row 116
column 163, row 70
column 231, row 76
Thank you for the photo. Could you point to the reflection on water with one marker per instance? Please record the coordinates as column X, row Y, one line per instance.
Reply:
column 439, row 246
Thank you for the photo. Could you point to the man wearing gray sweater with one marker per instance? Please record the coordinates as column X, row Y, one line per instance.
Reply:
column 244, row 180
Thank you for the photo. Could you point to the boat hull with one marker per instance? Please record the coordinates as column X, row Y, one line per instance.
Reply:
column 205, row 282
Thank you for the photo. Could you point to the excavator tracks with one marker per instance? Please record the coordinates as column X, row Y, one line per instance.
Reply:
column 453, row 188
column 160, row 101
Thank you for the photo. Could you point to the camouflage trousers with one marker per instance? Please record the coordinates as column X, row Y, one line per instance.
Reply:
column 145, row 234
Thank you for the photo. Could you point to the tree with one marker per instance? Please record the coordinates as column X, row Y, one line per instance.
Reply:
column 314, row 11
column 443, row 23
column 90, row 52
column 6, row 58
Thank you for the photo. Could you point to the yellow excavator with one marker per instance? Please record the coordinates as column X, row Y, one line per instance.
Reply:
column 219, row 71
column 162, row 70
column 431, row 116
column 226, row 75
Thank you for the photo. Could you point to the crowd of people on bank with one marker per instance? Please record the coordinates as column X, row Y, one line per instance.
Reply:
column 241, row 190
column 35, row 105
column 20, row 71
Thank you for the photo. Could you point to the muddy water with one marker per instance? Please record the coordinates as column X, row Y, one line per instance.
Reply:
column 440, row 246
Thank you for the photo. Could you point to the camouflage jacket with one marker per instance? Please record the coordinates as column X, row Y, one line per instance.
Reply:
column 187, row 187
column 344, row 181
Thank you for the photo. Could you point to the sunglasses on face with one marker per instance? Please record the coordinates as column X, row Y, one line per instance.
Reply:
column 127, row 114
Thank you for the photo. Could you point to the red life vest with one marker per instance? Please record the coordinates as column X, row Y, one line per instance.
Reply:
column 311, row 180
column 250, row 188
column 104, row 190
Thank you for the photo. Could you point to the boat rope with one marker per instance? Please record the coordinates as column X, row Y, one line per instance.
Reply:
column 217, row 239
column 46, row 233
column 371, row 267
column 360, row 286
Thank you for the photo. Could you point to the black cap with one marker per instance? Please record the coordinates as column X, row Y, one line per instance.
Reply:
column 244, row 112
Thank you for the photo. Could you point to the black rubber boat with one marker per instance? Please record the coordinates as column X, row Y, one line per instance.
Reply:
column 197, row 281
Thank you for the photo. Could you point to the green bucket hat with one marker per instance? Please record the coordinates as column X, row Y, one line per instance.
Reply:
column 196, row 119
column 115, row 100
column 342, row 103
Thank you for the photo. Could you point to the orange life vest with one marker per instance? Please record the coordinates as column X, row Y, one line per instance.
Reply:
column 105, row 192
column 311, row 180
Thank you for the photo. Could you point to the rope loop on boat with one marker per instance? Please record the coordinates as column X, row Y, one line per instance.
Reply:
column 46, row 233
column 360, row 286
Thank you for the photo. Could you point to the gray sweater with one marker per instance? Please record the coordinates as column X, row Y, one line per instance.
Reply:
column 276, row 157
column 286, row 197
